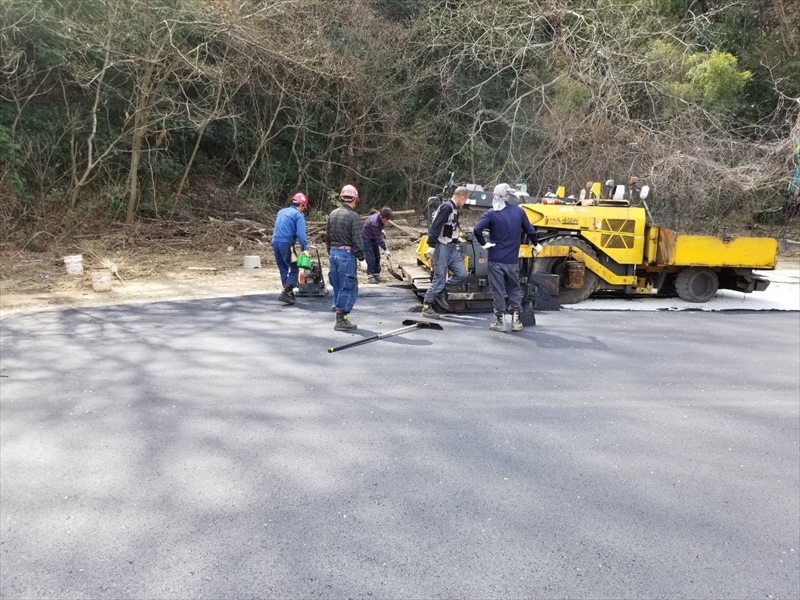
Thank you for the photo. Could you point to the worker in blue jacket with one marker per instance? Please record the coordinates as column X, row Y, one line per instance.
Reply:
column 290, row 226
column 506, row 223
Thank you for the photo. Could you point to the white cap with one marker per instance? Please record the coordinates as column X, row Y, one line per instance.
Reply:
column 503, row 190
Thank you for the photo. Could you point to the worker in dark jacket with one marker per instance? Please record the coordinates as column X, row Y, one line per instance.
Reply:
column 290, row 226
column 373, row 242
column 443, row 246
column 506, row 223
column 345, row 247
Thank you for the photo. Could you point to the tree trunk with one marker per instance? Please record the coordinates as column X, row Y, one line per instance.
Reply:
column 144, row 105
column 200, row 134
column 133, row 175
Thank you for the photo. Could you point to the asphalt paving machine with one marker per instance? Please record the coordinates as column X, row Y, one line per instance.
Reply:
column 603, row 242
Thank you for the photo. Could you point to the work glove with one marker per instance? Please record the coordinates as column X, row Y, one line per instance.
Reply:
column 429, row 252
column 536, row 249
column 304, row 252
column 362, row 264
column 386, row 250
column 488, row 245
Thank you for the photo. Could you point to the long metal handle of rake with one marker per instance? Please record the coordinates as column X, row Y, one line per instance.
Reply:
column 528, row 316
column 374, row 338
column 526, row 295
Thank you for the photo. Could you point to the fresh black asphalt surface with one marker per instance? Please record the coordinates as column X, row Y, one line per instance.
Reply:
column 216, row 449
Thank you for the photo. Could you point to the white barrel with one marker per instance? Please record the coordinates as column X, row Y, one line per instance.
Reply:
column 252, row 262
column 74, row 264
column 101, row 280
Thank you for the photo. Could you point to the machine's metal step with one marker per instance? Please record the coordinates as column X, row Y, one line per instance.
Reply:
column 464, row 301
column 418, row 276
column 468, row 296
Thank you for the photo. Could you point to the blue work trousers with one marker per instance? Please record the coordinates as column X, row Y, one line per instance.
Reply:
column 288, row 269
column 343, row 279
column 446, row 257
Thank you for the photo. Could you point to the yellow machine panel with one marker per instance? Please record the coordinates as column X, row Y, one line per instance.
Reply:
column 617, row 231
column 704, row 250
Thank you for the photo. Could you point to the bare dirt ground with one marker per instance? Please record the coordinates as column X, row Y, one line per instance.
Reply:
column 153, row 263
column 160, row 261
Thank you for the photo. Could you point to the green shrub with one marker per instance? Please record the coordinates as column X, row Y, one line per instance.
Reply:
column 716, row 78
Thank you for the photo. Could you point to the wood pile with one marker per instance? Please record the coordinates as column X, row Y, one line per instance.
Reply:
column 400, row 229
column 252, row 230
column 315, row 231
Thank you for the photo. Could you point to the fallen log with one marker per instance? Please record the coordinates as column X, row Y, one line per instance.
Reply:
column 408, row 232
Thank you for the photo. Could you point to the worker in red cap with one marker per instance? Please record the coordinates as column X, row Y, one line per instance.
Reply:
column 345, row 255
column 290, row 227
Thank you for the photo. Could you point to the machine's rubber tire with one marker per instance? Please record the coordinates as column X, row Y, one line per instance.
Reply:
column 556, row 266
column 697, row 284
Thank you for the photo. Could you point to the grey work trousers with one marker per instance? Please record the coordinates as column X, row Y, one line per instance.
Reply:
column 504, row 281
column 446, row 257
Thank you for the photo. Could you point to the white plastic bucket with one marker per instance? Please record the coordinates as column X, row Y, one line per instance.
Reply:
column 101, row 280
column 252, row 262
column 74, row 264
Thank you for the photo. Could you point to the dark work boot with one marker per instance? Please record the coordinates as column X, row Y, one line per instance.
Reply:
column 287, row 296
column 516, row 323
column 499, row 323
column 427, row 311
column 343, row 323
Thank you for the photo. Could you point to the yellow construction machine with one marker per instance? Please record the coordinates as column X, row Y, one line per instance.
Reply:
column 602, row 242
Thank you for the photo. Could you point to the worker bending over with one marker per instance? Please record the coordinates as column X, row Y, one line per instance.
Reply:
column 373, row 242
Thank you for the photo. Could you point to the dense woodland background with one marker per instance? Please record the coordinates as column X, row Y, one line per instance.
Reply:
column 123, row 110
